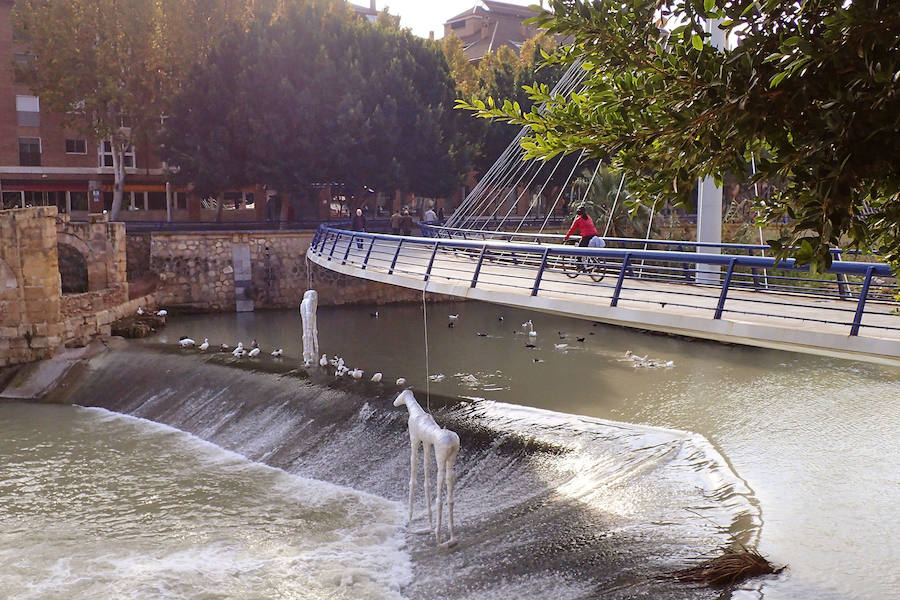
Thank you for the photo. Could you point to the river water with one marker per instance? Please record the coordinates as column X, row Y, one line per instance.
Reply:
column 581, row 475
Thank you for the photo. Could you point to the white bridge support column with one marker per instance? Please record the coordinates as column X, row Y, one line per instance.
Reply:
column 709, row 226
column 709, row 195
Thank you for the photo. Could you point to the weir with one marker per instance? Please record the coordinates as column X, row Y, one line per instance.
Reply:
column 545, row 505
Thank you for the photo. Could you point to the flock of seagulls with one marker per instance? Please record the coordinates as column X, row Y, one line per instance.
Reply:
column 239, row 351
column 341, row 369
column 529, row 330
column 160, row 313
column 645, row 361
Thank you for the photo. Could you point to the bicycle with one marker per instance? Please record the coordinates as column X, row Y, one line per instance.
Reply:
column 594, row 266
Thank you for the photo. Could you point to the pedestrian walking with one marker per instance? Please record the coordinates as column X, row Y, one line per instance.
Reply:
column 396, row 218
column 406, row 223
column 359, row 224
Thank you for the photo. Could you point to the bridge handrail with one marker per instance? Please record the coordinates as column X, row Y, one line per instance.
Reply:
column 760, row 262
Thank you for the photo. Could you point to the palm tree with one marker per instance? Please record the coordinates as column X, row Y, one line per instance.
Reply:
column 600, row 201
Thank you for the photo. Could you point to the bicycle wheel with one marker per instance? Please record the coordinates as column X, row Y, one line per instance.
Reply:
column 570, row 266
column 597, row 269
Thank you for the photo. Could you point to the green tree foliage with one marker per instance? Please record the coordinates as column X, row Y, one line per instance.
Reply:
column 316, row 95
column 811, row 91
column 499, row 74
column 111, row 68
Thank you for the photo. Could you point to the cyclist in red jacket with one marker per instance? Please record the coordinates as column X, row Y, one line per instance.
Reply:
column 584, row 226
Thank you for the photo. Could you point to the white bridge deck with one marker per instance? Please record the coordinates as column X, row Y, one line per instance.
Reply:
column 811, row 324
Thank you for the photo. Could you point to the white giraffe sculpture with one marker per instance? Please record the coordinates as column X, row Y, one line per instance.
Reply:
column 310, row 329
column 423, row 429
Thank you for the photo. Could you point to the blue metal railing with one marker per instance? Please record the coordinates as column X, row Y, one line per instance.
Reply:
column 759, row 278
column 636, row 275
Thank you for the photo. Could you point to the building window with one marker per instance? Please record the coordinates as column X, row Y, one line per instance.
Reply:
column 457, row 24
column 76, row 147
column 232, row 200
column 79, row 200
column 30, row 152
column 106, row 157
column 21, row 64
column 156, row 201
column 28, row 111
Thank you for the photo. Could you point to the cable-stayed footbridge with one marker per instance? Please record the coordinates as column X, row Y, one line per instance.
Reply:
column 494, row 248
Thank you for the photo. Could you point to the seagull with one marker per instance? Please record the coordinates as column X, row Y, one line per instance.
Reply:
column 537, row 360
column 254, row 352
column 669, row 364
column 323, row 362
column 580, row 339
column 223, row 348
column 481, row 334
column 530, row 346
column 376, row 378
column 374, row 315
column 140, row 310
column 277, row 353
column 560, row 346
column 186, row 342
column 356, row 373
column 453, row 317
column 401, row 381
column 639, row 359
column 162, row 313
column 500, row 318
column 532, row 333
column 561, row 335
column 239, row 350
column 205, row 345
column 339, row 373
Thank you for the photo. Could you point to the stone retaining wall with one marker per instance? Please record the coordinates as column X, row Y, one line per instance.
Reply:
column 196, row 272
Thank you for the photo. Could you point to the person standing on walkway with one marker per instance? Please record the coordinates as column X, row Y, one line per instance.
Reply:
column 359, row 224
column 395, row 222
column 441, row 215
column 430, row 217
column 406, row 223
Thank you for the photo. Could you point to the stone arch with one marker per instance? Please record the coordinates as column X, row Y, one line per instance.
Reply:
column 96, row 269
column 73, row 270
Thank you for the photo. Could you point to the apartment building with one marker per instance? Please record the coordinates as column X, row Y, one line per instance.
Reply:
column 489, row 25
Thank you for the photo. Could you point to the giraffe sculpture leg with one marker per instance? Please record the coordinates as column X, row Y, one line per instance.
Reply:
column 413, row 458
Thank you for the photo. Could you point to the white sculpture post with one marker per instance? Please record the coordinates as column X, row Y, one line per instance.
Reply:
column 310, row 329
column 445, row 443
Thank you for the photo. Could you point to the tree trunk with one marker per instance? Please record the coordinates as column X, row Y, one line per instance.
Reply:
column 118, row 156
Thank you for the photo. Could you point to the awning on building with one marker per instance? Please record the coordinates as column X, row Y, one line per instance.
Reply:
column 45, row 187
